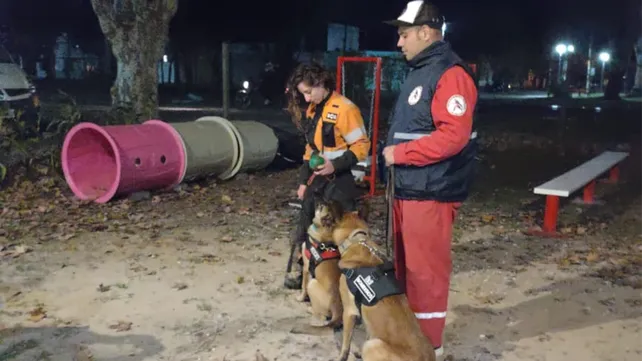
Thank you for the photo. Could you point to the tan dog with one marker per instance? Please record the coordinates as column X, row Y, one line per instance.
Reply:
column 321, row 269
column 393, row 331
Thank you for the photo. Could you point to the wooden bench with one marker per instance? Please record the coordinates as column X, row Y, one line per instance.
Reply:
column 584, row 175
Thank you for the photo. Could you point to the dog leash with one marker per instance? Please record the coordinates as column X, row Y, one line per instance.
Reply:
column 390, row 197
column 288, row 267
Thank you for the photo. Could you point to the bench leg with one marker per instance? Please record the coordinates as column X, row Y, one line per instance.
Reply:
column 589, row 192
column 549, row 228
column 550, row 214
column 614, row 176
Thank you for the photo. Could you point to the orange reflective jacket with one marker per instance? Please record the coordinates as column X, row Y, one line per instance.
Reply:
column 339, row 129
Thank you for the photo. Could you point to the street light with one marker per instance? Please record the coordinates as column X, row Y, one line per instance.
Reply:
column 562, row 49
column 604, row 58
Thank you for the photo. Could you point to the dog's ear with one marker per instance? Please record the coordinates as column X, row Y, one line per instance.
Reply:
column 363, row 210
column 336, row 209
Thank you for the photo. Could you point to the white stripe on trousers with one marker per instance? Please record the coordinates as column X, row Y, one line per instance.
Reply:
column 430, row 315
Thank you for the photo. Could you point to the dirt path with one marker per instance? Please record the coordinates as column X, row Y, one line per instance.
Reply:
column 190, row 296
column 196, row 274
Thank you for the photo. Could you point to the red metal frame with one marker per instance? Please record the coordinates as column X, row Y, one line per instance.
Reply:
column 372, row 177
column 549, row 227
column 614, row 175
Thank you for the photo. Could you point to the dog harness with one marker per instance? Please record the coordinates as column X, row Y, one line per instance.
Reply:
column 317, row 251
column 370, row 285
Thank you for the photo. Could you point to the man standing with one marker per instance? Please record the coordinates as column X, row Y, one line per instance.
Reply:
column 431, row 151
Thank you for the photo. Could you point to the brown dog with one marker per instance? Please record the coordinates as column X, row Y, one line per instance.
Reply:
column 368, row 289
column 321, row 268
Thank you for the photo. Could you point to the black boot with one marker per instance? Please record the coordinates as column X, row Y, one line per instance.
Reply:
column 294, row 278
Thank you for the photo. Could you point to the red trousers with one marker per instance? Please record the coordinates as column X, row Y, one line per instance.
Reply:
column 422, row 239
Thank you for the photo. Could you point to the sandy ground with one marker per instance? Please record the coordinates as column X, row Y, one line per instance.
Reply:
column 196, row 274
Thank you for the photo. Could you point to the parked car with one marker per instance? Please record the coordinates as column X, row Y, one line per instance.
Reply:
column 17, row 92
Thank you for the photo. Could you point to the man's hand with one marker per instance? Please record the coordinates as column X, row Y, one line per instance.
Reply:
column 326, row 168
column 389, row 155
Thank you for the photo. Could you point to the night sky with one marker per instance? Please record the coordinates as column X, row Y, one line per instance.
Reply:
column 483, row 26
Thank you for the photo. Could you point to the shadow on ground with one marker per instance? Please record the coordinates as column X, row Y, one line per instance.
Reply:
column 561, row 306
column 68, row 343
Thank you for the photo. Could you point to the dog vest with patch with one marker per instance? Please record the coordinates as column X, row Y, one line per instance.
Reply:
column 369, row 285
column 318, row 252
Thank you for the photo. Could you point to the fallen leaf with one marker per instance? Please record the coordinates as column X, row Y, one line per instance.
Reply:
column 37, row 314
column 260, row 357
column 487, row 218
column 566, row 230
column 83, row 354
column 14, row 250
column 592, row 257
column 102, row 288
column 180, row 286
column 227, row 239
column 66, row 237
column 121, row 326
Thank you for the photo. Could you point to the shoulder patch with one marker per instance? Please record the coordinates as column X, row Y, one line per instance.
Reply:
column 456, row 105
column 331, row 116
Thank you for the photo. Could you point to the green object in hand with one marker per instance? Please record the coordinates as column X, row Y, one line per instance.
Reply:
column 316, row 160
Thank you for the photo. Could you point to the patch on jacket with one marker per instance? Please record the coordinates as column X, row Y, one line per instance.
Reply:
column 456, row 105
column 415, row 95
column 331, row 116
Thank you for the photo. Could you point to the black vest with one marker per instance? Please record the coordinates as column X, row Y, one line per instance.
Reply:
column 448, row 180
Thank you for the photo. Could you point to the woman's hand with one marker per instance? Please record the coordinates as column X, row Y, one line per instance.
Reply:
column 326, row 168
column 301, row 191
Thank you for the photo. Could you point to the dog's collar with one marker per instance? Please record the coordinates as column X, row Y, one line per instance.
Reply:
column 356, row 236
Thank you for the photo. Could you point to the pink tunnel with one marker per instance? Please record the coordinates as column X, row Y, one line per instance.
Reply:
column 102, row 162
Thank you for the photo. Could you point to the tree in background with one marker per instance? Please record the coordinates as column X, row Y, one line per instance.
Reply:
column 626, row 31
column 137, row 31
column 637, row 82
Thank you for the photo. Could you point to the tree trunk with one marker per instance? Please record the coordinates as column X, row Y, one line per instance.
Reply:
column 637, row 86
column 137, row 32
column 627, row 35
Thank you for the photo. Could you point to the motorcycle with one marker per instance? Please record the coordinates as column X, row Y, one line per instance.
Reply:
column 243, row 98
column 246, row 95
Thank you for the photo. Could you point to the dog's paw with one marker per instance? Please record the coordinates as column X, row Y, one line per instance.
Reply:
column 301, row 297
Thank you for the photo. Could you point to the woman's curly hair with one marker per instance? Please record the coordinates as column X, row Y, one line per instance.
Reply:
column 312, row 75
